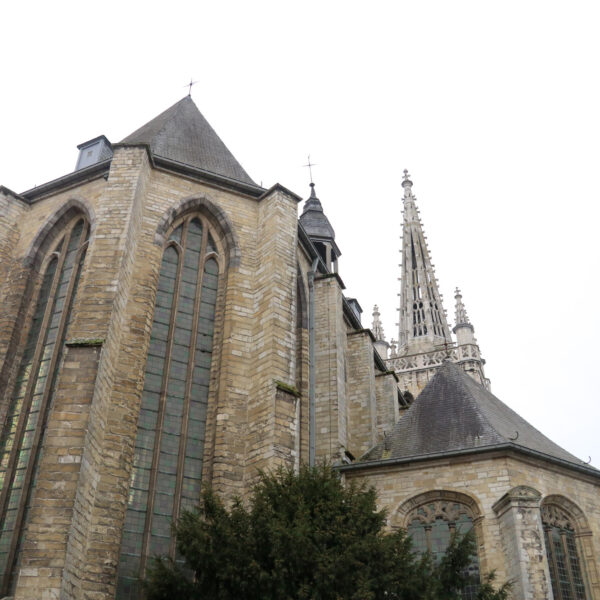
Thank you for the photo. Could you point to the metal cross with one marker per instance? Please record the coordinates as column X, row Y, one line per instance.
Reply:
column 310, row 165
column 190, row 84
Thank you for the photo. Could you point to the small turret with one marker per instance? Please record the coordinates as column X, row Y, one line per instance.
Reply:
column 377, row 329
column 463, row 329
column 319, row 230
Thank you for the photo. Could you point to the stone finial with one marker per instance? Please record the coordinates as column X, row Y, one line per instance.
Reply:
column 377, row 327
column 407, row 184
column 393, row 349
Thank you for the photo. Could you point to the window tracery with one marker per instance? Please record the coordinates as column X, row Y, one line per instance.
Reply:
column 563, row 556
column 432, row 526
column 22, row 437
column 169, row 448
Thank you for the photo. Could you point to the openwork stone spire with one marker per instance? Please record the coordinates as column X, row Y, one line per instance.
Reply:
column 463, row 329
column 460, row 311
column 377, row 327
column 422, row 325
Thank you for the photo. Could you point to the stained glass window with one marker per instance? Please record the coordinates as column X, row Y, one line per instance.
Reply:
column 563, row 558
column 22, row 437
column 431, row 527
column 169, row 448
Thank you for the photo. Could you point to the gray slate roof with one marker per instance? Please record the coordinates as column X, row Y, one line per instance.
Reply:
column 455, row 413
column 182, row 134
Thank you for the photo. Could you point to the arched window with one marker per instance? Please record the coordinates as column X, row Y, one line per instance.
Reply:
column 22, row 437
column 562, row 552
column 431, row 526
column 169, row 447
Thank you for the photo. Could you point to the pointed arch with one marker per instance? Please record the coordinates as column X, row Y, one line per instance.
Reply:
column 214, row 213
column 54, row 225
column 404, row 510
column 433, row 517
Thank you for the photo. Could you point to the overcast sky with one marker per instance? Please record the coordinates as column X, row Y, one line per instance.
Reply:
column 494, row 107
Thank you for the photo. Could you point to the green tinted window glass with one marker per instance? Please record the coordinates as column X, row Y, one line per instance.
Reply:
column 172, row 420
column 34, row 392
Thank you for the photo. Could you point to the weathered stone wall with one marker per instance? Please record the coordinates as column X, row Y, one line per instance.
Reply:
column 13, row 279
column 330, row 386
column 361, row 393
column 274, row 332
column 387, row 403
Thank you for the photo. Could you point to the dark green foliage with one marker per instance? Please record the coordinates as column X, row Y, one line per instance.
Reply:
column 304, row 536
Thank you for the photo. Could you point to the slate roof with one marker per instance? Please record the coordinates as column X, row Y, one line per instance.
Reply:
column 454, row 413
column 182, row 134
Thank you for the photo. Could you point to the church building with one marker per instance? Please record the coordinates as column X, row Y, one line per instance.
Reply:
column 165, row 323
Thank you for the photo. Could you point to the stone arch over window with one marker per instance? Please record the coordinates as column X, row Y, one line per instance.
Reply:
column 172, row 424
column 56, row 258
column 217, row 217
column 54, row 225
column 568, row 541
column 432, row 518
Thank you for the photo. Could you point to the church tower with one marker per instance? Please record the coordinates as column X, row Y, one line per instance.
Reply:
column 424, row 338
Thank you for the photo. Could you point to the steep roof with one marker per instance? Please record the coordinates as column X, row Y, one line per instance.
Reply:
column 454, row 413
column 182, row 134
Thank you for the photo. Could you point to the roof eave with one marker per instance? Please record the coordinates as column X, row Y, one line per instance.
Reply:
column 388, row 462
column 184, row 169
column 66, row 181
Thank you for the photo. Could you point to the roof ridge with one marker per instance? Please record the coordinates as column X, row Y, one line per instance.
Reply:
column 182, row 134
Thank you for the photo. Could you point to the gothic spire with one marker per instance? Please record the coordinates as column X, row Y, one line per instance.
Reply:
column 422, row 324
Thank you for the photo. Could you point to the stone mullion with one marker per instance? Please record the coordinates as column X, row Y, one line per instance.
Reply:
column 161, row 408
column 25, row 407
column 188, row 384
column 557, row 590
column 428, row 537
column 563, row 539
column 44, row 404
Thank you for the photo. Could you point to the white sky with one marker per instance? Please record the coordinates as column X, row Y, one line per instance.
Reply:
column 494, row 107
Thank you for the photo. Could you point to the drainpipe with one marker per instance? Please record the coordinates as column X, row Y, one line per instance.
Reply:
column 312, row 420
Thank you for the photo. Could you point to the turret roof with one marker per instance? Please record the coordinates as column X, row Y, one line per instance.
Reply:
column 313, row 218
column 183, row 135
column 454, row 413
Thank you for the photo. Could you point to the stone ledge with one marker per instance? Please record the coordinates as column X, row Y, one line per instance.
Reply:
column 284, row 387
column 84, row 342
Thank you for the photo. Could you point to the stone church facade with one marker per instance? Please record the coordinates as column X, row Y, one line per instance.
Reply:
column 166, row 322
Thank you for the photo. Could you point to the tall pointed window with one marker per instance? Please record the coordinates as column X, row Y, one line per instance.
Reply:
column 431, row 527
column 22, row 437
column 169, row 446
column 563, row 557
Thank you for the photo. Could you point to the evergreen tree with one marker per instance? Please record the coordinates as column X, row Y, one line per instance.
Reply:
column 305, row 536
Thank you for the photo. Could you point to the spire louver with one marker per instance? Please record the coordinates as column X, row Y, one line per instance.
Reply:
column 422, row 320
